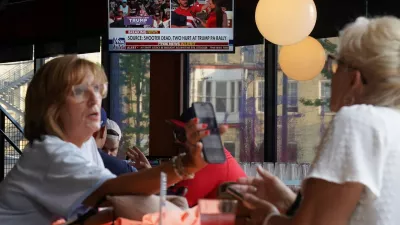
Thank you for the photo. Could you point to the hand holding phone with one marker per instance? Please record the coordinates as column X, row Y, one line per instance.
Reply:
column 234, row 193
column 213, row 150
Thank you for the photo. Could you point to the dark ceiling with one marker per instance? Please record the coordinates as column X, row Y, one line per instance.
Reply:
column 42, row 21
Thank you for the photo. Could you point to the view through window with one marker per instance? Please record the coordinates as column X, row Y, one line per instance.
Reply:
column 130, row 99
column 234, row 84
column 303, row 112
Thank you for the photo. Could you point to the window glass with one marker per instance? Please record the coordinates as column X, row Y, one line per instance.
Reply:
column 222, row 58
column 303, row 112
column 231, row 85
column 292, row 96
column 130, row 99
column 220, row 100
column 325, row 94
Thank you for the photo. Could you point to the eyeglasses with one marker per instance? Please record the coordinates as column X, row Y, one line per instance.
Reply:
column 333, row 65
column 82, row 92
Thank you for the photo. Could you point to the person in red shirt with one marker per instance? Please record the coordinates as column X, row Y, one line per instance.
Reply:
column 217, row 18
column 206, row 182
column 185, row 9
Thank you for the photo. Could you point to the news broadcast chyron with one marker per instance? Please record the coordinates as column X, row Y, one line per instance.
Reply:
column 171, row 25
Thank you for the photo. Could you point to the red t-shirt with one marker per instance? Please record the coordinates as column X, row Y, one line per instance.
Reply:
column 189, row 13
column 212, row 20
column 206, row 182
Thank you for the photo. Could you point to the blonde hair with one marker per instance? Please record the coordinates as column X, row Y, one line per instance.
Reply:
column 372, row 46
column 48, row 90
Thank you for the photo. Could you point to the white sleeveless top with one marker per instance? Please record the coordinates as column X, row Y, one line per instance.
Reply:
column 364, row 146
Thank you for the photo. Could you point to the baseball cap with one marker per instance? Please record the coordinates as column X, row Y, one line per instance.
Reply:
column 113, row 126
column 103, row 118
column 185, row 117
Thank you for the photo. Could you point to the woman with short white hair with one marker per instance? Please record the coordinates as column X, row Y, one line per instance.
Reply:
column 355, row 176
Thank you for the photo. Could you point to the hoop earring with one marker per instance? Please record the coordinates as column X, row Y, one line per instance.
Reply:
column 348, row 101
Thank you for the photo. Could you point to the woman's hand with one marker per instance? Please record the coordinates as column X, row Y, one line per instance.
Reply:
column 261, row 208
column 138, row 158
column 195, row 131
column 269, row 188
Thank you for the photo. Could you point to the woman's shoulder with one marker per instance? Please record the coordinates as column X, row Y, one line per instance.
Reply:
column 50, row 145
column 367, row 113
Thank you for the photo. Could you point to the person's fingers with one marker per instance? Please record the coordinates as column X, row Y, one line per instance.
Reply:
column 197, row 136
column 132, row 151
column 265, row 174
column 59, row 222
column 191, row 125
column 139, row 153
column 131, row 156
column 223, row 129
column 145, row 164
column 254, row 202
column 244, row 188
column 246, row 180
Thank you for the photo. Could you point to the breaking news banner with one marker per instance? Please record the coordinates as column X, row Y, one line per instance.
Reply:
column 172, row 25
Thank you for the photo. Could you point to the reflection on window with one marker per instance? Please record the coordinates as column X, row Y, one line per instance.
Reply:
column 248, row 54
column 260, row 95
column 222, row 58
column 292, row 96
column 325, row 95
column 130, row 96
column 302, row 112
column 230, row 83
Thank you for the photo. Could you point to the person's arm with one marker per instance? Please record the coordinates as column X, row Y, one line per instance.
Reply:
column 350, row 160
column 148, row 182
column 324, row 203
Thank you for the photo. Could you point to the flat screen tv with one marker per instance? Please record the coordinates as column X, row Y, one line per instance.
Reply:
column 171, row 25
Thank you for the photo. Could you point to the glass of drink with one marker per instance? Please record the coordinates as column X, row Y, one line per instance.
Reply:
column 217, row 212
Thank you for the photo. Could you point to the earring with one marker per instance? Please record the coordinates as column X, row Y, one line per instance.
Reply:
column 349, row 100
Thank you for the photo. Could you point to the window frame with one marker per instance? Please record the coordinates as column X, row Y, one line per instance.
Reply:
column 259, row 98
column 270, row 98
column 320, row 87
column 229, row 98
column 290, row 106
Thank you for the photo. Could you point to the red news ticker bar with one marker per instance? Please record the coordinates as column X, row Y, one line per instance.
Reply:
column 142, row 32
column 192, row 43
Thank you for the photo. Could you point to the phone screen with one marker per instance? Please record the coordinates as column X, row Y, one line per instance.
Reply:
column 213, row 150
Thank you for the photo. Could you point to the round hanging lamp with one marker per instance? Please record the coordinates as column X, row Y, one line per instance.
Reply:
column 285, row 22
column 303, row 60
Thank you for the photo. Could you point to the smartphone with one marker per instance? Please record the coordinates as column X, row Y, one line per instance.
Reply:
column 213, row 150
column 234, row 193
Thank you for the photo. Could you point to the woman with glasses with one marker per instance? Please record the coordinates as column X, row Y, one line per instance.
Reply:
column 355, row 176
column 54, row 178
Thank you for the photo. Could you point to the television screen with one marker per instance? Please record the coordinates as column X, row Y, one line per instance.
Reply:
column 171, row 25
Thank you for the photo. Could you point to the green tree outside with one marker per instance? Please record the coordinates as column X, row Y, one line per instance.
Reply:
column 136, row 99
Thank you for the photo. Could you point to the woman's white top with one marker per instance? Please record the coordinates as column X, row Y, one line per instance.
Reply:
column 364, row 146
column 50, row 180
